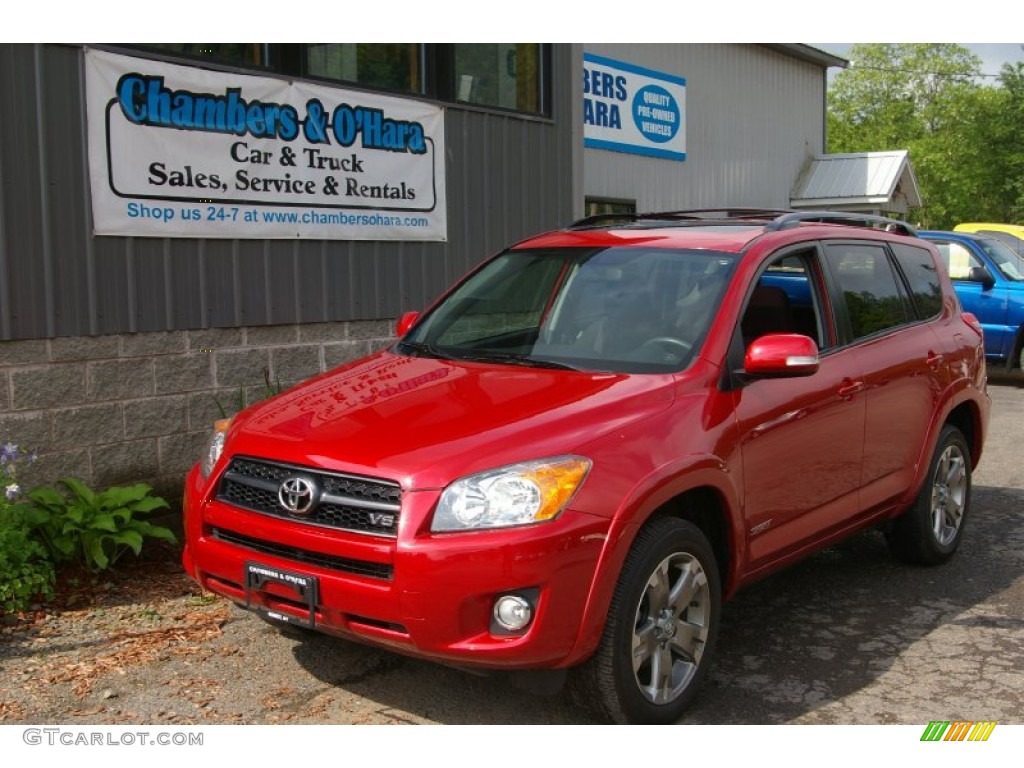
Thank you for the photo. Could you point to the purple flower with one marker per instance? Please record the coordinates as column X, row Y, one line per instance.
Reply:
column 9, row 452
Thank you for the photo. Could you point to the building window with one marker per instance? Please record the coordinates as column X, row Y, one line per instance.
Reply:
column 239, row 54
column 510, row 76
column 503, row 75
column 595, row 206
column 390, row 66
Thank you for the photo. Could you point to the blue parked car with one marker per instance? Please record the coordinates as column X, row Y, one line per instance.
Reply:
column 989, row 280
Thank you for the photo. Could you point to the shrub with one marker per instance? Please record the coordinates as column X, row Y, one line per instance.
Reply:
column 94, row 529
column 26, row 572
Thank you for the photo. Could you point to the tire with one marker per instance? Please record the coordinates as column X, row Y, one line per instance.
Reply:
column 649, row 629
column 929, row 532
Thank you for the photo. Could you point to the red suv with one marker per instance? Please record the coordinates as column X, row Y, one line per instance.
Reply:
column 574, row 456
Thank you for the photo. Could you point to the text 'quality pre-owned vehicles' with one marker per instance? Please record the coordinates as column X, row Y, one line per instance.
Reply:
column 597, row 436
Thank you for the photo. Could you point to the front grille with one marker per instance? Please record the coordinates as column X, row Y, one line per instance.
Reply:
column 331, row 562
column 346, row 502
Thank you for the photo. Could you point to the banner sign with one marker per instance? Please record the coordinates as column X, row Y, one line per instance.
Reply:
column 178, row 151
column 627, row 108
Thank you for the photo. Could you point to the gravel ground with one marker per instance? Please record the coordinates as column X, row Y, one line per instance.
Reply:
column 145, row 646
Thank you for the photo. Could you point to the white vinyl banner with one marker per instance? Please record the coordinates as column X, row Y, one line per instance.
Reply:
column 178, row 151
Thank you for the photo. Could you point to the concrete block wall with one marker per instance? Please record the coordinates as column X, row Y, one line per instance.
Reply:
column 126, row 408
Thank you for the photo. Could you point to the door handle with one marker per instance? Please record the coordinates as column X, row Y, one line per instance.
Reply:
column 850, row 388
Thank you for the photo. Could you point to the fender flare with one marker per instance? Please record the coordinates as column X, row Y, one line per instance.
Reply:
column 958, row 393
column 647, row 496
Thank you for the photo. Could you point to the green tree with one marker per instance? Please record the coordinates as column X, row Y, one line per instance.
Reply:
column 1007, row 136
column 929, row 99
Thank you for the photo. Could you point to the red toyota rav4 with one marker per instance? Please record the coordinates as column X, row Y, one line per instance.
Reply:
column 576, row 454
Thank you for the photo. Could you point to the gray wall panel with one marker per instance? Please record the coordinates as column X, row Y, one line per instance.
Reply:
column 114, row 313
column 148, row 285
column 281, row 272
column 219, row 271
column 753, row 117
column 28, row 294
column 65, row 179
column 507, row 177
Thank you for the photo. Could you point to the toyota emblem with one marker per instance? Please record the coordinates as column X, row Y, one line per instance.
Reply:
column 297, row 495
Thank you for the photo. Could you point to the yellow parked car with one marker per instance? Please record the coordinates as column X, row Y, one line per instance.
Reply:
column 1010, row 234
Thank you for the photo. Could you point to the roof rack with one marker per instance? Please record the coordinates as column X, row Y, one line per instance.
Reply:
column 692, row 214
column 779, row 219
column 792, row 219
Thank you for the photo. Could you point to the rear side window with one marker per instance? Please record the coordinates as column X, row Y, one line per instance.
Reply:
column 922, row 275
column 875, row 301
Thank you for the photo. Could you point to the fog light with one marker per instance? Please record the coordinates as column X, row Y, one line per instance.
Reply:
column 512, row 612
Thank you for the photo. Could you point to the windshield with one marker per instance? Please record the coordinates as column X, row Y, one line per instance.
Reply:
column 630, row 310
column 1007, row 261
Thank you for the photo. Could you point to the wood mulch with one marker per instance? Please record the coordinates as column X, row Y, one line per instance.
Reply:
column 101, row 624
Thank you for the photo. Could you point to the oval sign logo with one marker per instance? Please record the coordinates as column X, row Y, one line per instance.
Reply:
column 656, row 114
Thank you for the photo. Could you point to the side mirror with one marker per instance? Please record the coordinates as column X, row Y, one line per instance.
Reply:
column 981, row 275
column 405, row 322
column 781, row 355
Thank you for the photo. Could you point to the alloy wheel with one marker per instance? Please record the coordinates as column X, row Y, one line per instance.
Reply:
column 671, row 628
column 949, row 494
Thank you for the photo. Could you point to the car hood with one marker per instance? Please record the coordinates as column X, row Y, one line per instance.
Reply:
column 425, row 422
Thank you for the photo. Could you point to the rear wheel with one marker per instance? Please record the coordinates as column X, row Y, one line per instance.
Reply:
column 660, row 630
column 930, row 531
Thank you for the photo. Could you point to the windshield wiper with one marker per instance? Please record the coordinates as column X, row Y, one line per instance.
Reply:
column 516, row 359
column 426, row 350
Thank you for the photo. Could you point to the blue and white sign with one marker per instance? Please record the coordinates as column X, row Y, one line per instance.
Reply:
column 627, row 108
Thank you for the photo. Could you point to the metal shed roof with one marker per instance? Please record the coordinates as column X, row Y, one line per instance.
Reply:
column 858, row 178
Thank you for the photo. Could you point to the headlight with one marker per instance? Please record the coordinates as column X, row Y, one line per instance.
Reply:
column 519, row 494
column 214, row 446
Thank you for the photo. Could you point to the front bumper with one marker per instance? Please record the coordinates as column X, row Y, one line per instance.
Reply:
column 422, row 594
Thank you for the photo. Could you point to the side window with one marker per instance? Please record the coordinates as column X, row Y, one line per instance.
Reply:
column 875, row 301
column 1011, row 240
column 959, row 260
column 922, row 275
column 785, row 300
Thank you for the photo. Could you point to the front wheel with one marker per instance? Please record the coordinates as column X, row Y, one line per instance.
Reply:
column 930, row 531
column 660, row 631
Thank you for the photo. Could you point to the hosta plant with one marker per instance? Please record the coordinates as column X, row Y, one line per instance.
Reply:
column 95, row 529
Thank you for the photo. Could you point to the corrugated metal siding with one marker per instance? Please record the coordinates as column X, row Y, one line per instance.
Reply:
column 753, row 118
column 507, row 177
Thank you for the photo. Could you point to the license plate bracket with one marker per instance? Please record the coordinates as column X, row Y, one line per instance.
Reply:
column 306, row 589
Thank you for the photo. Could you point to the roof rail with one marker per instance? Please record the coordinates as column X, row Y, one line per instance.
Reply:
column 726, row 213
column 602, row 218
column 693, row 214
column 779, row 219
column 792, row 219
